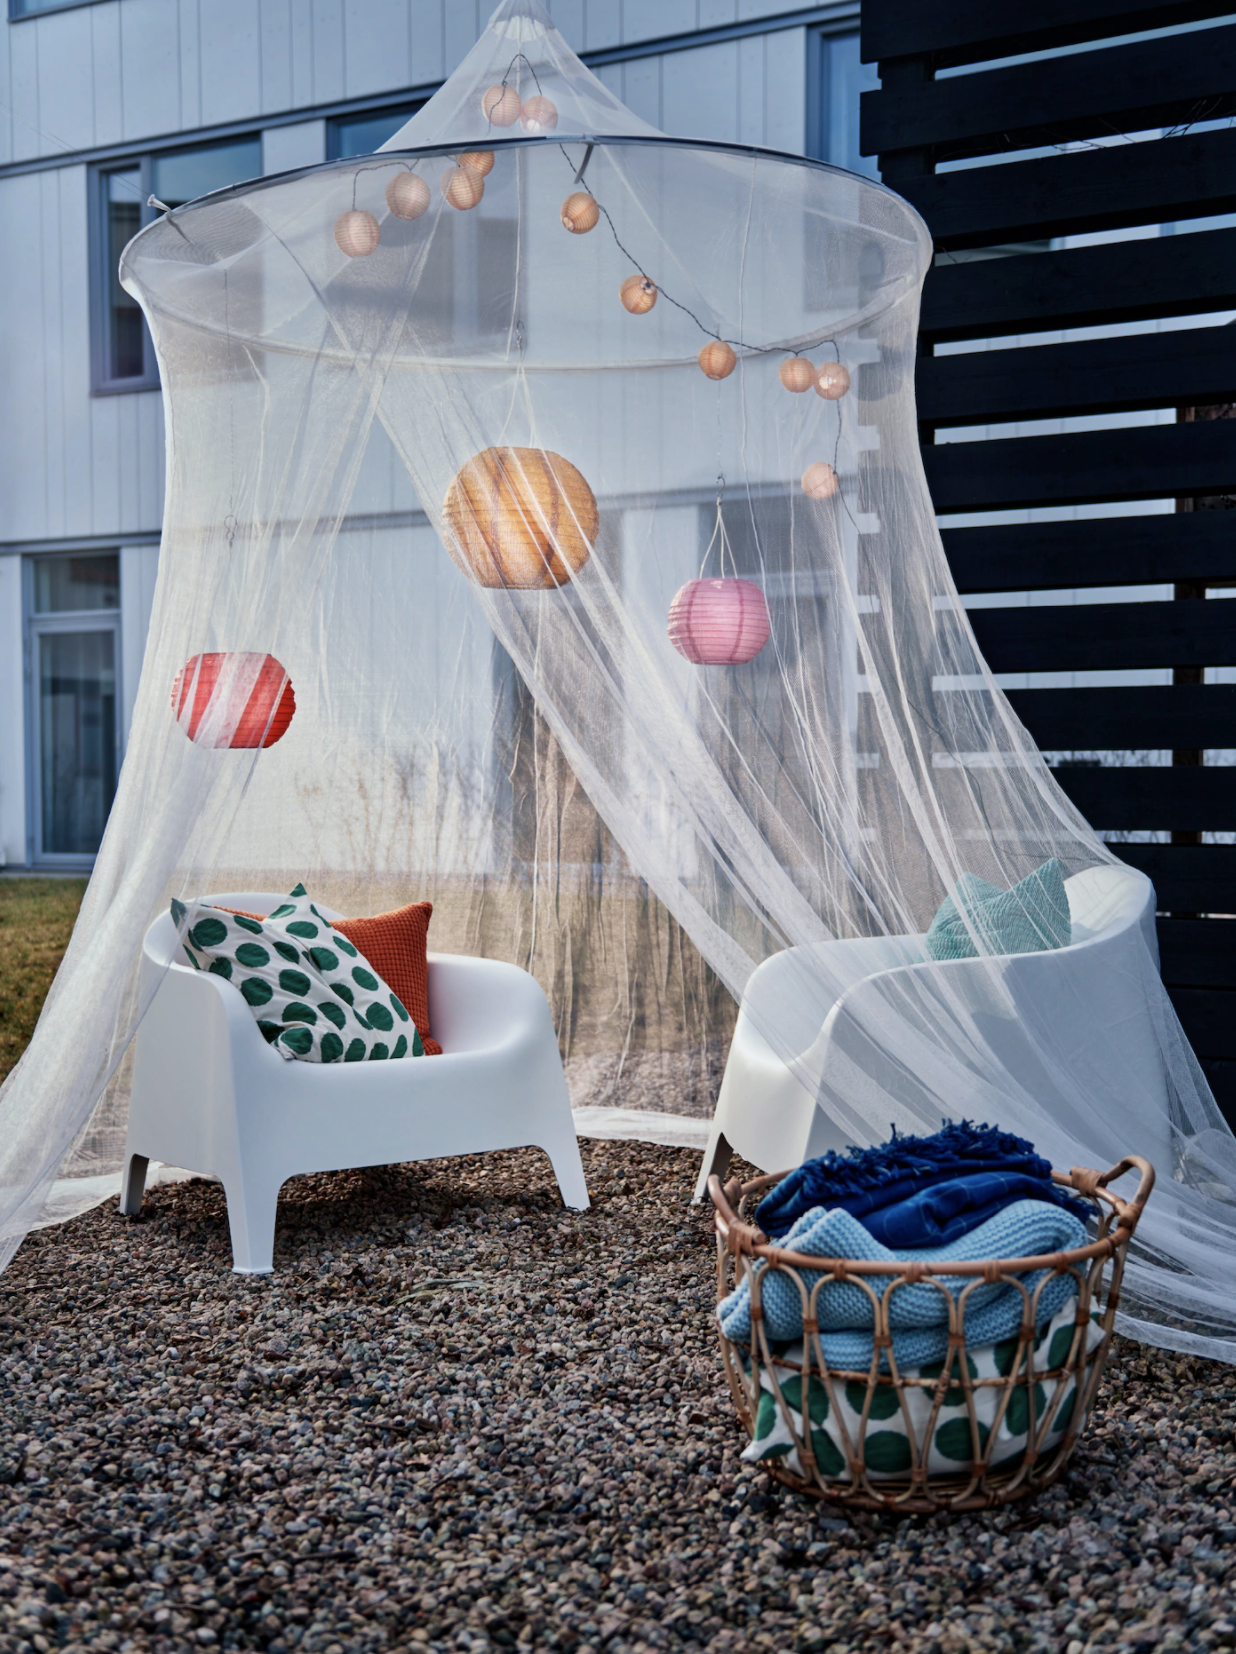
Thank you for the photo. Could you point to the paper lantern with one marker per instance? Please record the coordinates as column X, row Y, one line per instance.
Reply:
column 717, row 359
column 256, row 712
column 719, row 622
column 819, row 481
column 500, row 105
column 538, row 115
column 357, row 232
column 638, row 295
column 521, row 518
column 407, row 195
column 832, row 381
column 478, row 160
column 462, row 187
column 796, row 373
column 579, row 212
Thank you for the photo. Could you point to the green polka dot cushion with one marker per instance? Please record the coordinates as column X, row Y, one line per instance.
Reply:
column 315, row 998
column 886, row 1444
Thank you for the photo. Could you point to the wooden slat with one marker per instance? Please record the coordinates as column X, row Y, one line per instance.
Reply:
column 1171, row 275
column 1147, row 462
column 1209, row 1019
column 1103, row 637
column 1093, row 189
column 1094, row 551
column 968, row 30
column 1222, row 1080
column 1122, row 720
column 1188, row 367
column 1198, row 953
column 1183, row 798
column 1132, row 88
column 1187, row 878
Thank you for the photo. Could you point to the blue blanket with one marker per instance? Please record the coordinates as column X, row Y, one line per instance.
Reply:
column 919, row 1191
column 918, row 1314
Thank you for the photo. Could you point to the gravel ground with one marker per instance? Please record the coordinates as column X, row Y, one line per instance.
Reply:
column 460, row 1417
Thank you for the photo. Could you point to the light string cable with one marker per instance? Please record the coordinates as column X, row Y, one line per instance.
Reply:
column 710, row 332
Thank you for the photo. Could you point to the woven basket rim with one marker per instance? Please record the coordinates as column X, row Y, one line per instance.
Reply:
column 738, row 1236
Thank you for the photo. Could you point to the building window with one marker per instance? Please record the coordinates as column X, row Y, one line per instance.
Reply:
column 363, row 134
column 124, row 354
column 840, row 80
column 73, row 651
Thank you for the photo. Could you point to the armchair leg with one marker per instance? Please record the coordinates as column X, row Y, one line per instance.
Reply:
column 563, row 1152
column 251, row 1208
column 133, row 1184
column 717, row 1157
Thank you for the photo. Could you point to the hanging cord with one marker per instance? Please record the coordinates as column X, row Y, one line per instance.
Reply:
column 719, row 531
column 229, row 522
column 506, row 79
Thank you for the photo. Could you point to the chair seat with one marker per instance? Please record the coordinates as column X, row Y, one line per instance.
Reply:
column 808, row 1035
column 210, row 1095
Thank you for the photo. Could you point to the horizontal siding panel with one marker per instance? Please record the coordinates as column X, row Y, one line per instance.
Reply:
column 1187, row 878
column 1103, row 637
column 1122, row 720
column 1177, row 798
column 966, row 30
column 1095, row 189
column 1188, row 367
column 1172, row 275
column 1148, row 462
column 1093, row 551
column 1198, row 953
column 1084, row 95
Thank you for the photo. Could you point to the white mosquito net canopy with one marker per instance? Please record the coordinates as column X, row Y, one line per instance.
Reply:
column 607, row 632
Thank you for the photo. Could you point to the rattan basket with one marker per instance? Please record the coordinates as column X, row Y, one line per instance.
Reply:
column 1048, row 1404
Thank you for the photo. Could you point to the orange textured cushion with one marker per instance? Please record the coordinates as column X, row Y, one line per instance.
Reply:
column 396, row 945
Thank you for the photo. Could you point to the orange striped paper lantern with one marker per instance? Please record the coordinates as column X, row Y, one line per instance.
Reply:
column 719, row 622
column 218, row 701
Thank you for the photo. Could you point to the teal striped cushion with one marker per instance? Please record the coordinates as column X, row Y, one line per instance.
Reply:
column 1030, row 918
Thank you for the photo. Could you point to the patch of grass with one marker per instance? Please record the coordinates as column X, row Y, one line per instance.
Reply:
column 36, row 919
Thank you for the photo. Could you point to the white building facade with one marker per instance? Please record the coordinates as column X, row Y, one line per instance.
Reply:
column 104, row 103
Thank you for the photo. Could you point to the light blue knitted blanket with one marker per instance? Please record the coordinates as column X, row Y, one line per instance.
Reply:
column 918, row 1314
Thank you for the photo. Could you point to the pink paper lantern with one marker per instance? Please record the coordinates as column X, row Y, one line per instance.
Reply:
column 719, row 622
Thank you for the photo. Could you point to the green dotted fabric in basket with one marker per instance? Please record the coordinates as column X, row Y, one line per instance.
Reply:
column 886, row 1445
column 315, row 998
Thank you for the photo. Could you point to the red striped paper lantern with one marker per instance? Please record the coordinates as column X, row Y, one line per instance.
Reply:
column 721, row 622
column 257, row 711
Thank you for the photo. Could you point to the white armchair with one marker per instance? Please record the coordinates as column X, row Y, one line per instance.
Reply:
column 1087, row 994
column 210, row 1095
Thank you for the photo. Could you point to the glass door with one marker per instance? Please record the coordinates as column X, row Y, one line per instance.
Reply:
column 73, row 657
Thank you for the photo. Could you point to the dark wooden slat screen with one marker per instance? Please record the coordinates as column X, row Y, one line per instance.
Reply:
column 1130, row 719
column 1145, row 463
column 1106, row 637
column 1113, row 551
column 1134, row 754
column 1152, row 83
column 1091, row 189
column 1093, row 376
column 1127, row 281
column 967, row 30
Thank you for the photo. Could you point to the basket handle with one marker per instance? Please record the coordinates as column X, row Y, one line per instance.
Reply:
column 1086, row 1181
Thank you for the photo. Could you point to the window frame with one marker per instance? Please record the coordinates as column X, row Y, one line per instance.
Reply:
column 34, row 627
column 102, row 381
column 335, row 123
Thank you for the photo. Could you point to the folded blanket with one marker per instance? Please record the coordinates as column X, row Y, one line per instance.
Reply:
column 886, row 1444
column 963, row 1157
column 918, row 1314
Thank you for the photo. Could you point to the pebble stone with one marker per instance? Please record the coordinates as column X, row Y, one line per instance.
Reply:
column 460, row 1418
